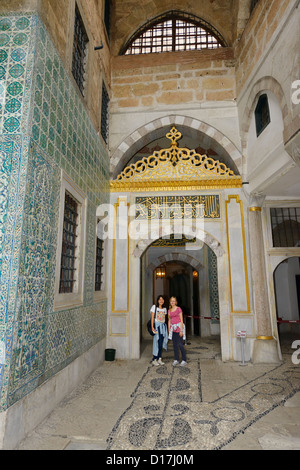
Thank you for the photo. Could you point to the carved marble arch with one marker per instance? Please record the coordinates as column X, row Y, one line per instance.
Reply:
column 175, row 167
column 195, row 263
column 192, row 128
column 203, row 237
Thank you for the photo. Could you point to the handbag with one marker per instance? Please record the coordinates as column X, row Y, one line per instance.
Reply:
column 149, row 325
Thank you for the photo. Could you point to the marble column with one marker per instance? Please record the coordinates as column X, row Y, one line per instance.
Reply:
column 265, row 348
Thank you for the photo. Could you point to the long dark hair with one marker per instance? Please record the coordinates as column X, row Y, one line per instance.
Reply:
column 158, row 297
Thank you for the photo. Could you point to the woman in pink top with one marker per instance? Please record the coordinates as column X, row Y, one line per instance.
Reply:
column 176, row 330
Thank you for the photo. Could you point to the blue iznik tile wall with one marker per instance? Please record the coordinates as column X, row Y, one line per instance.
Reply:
column 44, row 128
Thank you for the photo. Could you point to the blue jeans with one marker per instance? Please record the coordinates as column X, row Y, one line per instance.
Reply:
column 160, row 343
column 178, row 344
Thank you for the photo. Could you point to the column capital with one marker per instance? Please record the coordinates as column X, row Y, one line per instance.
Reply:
column 256, row 201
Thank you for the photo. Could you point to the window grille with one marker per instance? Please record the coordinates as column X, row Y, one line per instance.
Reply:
column 80, row 43
column 68, row 254
column 99, row 264
column 104, row 114
column 285, row 222
column 174, row 31
column 262, row 114
column 107, row 16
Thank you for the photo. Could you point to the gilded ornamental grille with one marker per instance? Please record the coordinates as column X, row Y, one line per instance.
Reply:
column 175, row 168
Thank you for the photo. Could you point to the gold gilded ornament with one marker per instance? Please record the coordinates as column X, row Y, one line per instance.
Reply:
column 175, row 167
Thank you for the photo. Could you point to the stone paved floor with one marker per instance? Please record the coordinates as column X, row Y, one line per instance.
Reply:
column 206, row 405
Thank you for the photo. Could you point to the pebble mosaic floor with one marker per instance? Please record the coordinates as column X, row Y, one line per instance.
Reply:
column 169, row 411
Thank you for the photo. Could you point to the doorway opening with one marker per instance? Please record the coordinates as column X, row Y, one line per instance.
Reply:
column 190, row 276
column 175, row 278
column 287, row 295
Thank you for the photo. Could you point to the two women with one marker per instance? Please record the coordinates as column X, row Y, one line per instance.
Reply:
column 159, row 328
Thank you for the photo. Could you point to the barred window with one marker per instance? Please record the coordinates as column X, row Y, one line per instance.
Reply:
column 104, row 114
column 68, row 253
column 174, row 31
column 262, row 114
column 80, row 48
column 71, row 242
column 285, row 222
column 99, row 264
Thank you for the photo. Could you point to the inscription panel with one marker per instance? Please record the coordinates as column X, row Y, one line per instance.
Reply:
column 177, row 207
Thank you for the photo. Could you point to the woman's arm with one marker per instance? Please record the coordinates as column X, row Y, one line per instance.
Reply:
column 181, row 323
column 152, row 320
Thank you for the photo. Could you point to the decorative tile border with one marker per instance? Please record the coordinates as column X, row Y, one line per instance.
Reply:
column 12, row 233
column 17, row 39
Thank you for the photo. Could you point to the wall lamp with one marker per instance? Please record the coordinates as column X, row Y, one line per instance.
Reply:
column 160, row 272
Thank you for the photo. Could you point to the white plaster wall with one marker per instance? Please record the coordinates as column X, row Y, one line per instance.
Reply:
column 266, row 144
column 270, row 169
column 267, row 160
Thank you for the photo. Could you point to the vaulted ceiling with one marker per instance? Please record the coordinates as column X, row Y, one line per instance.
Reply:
column 228, row 17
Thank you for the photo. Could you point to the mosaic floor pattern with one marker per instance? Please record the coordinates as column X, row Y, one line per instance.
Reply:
column 169, row 410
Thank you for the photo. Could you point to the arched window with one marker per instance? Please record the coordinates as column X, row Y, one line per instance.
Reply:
column 174, row 31
column 262, row 114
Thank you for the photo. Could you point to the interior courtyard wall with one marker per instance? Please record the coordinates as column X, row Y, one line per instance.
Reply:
column 198, row 85
column 58, row 18
column 48, row 129
column 271, row 38
column 267, row 156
